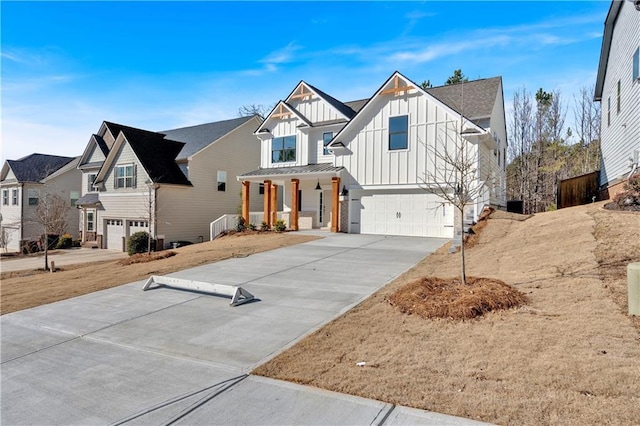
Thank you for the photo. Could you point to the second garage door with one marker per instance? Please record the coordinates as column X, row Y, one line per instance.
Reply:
column 413, row 214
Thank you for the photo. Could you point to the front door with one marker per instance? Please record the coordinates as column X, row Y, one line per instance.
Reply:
column 324, row 215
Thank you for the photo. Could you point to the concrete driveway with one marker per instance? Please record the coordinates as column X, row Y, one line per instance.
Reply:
column 166, row 356
column 60, row 257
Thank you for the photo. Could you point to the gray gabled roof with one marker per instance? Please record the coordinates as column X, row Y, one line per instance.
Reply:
column 341, row 107
column 357, row 105
column 609, row 24
column 311, row 168
column 91, row 198
column 195, row 138
column 36, row 167
column 473, row 99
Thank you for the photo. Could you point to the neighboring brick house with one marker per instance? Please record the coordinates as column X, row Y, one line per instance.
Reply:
column 23, row 182
column 172, row 184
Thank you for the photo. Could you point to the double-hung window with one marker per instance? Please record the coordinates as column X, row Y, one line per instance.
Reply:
column 398, row 132
column 14, row 197
column 125, row 176
column 34, row 196
column 283, row 149
column 222, row 180
column 90, row 221
column 326, row 138
column 5, row 197
column 91, row 178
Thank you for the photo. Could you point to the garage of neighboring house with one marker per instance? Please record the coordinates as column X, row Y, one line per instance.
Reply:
column 413, row 213
column 119, row 231
column 115, row 234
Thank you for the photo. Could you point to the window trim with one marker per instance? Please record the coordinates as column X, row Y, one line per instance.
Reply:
column 33, row 200
column 5, row 197
column 221, row 179
column 15, row 201
column 619, row 90
column 636, row 65
column 90, row 187
column 325, row 143
column 405, row 132
column 116, row 178
column 91, row 222
column 284, row 150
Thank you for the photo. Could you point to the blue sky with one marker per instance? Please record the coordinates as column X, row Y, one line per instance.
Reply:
column 68, row 66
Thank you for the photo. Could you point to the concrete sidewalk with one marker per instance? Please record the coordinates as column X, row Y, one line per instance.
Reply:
column 124, row 356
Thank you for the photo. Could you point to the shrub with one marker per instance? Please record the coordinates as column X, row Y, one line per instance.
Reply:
column 65, row 241
column 252, row 227
column 240, row 224
column 264, row 226
column 280, row 226
column 138, row 243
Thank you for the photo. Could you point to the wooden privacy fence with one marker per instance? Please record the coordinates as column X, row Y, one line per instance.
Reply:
column 578, row 190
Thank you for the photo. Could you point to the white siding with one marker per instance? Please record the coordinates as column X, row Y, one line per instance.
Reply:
column 315, row 109
column 622, row 137
column 12, row 215
column 372, row 163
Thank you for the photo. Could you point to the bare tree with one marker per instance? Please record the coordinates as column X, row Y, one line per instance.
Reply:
column 587, row 127
column 521, row 129
column 51, row 215
column 254, row 109
column 5, row 235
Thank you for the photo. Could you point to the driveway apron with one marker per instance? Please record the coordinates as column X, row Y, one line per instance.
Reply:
column 168, row 356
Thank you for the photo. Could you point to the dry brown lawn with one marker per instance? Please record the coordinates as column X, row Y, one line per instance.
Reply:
column 570, row 356
column 33, row 288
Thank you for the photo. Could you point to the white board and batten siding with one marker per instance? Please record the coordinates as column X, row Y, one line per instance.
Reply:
column 314, row 109
column 372, row 163
column 621, row 138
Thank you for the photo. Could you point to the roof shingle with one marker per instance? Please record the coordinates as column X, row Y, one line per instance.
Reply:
column 36, row 167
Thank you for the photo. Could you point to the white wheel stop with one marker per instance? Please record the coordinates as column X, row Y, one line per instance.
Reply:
column 238, row 294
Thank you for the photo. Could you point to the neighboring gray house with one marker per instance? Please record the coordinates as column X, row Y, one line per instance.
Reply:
column 23, row 182
column 172, row 184
column 618, row 90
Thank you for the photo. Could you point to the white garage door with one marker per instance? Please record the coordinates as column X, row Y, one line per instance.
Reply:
column 115, row 232
column 413, row 214
column 137, row 226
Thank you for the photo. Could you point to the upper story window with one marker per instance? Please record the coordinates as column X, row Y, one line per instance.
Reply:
column 636, row 65
column 34, row 196
column 326, row 138
column 398, row 132
column 618, row 99
column 283, row 149
column 222, row 180
column 5, row 197
column 125, row 177
column 73, row 197
column 14, row 197
column 91, row 178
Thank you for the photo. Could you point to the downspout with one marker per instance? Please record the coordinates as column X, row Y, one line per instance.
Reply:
column 21, row 201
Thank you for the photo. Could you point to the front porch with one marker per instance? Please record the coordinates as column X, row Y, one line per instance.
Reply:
column 311, row 198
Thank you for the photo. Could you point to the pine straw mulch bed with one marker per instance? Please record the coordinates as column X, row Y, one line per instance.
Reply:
column 431, row 297
column 146, row 257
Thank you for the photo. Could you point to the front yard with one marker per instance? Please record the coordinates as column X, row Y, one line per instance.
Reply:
column 569, row 356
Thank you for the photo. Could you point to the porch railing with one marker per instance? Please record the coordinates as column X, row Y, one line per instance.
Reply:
column 229, row 221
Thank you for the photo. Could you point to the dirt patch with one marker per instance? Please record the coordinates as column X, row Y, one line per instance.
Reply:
column 34, row 289
column 432, row 297
column 570, row 356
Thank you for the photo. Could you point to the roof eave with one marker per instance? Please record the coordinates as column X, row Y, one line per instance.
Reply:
column 609, row 23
